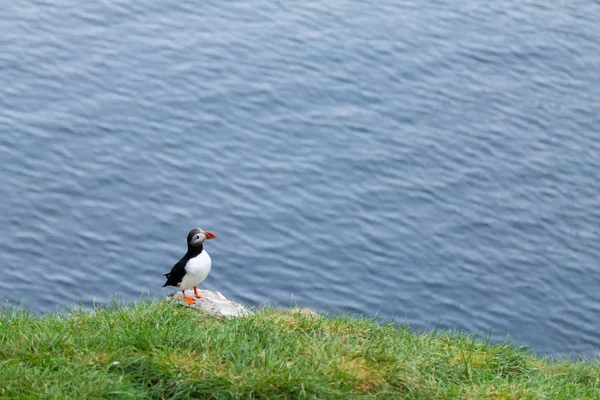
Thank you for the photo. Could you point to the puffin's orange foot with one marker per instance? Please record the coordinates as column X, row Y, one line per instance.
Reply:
column 188, row 300
column 196, row 293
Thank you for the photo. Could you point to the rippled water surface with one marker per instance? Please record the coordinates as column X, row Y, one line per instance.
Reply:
column 432, row 161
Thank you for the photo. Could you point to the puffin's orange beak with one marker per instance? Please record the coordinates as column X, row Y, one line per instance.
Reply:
column 209, row 235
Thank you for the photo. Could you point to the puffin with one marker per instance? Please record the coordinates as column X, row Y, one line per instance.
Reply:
column 193, row 267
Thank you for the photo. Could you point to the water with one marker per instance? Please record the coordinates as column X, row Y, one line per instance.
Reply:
column 432, row 162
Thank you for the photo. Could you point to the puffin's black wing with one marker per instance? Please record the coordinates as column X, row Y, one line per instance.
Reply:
column 176, row 275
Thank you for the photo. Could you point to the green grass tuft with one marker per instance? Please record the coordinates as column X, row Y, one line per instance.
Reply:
column 155, row 350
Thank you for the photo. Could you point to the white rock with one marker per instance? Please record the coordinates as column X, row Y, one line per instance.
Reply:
column 212, row 303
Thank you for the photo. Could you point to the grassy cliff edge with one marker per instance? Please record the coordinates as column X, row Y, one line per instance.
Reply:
column 162, row 350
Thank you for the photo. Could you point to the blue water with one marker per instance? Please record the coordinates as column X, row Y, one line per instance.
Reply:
column 433, row 162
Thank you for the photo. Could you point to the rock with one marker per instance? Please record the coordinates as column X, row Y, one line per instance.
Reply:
column 212, row 303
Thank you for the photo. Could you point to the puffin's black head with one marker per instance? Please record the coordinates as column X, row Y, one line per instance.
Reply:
column 197, row 236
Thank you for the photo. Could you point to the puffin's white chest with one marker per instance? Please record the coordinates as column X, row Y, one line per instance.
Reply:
column 196, row 270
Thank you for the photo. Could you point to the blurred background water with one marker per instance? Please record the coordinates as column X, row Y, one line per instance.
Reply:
column 429, row 161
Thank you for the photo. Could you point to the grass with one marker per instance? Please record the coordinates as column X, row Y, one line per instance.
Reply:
column 155, row 350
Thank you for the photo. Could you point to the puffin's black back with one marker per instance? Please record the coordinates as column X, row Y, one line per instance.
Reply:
column 177, row 272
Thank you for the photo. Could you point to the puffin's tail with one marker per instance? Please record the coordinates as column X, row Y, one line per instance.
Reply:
column 167, row 282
